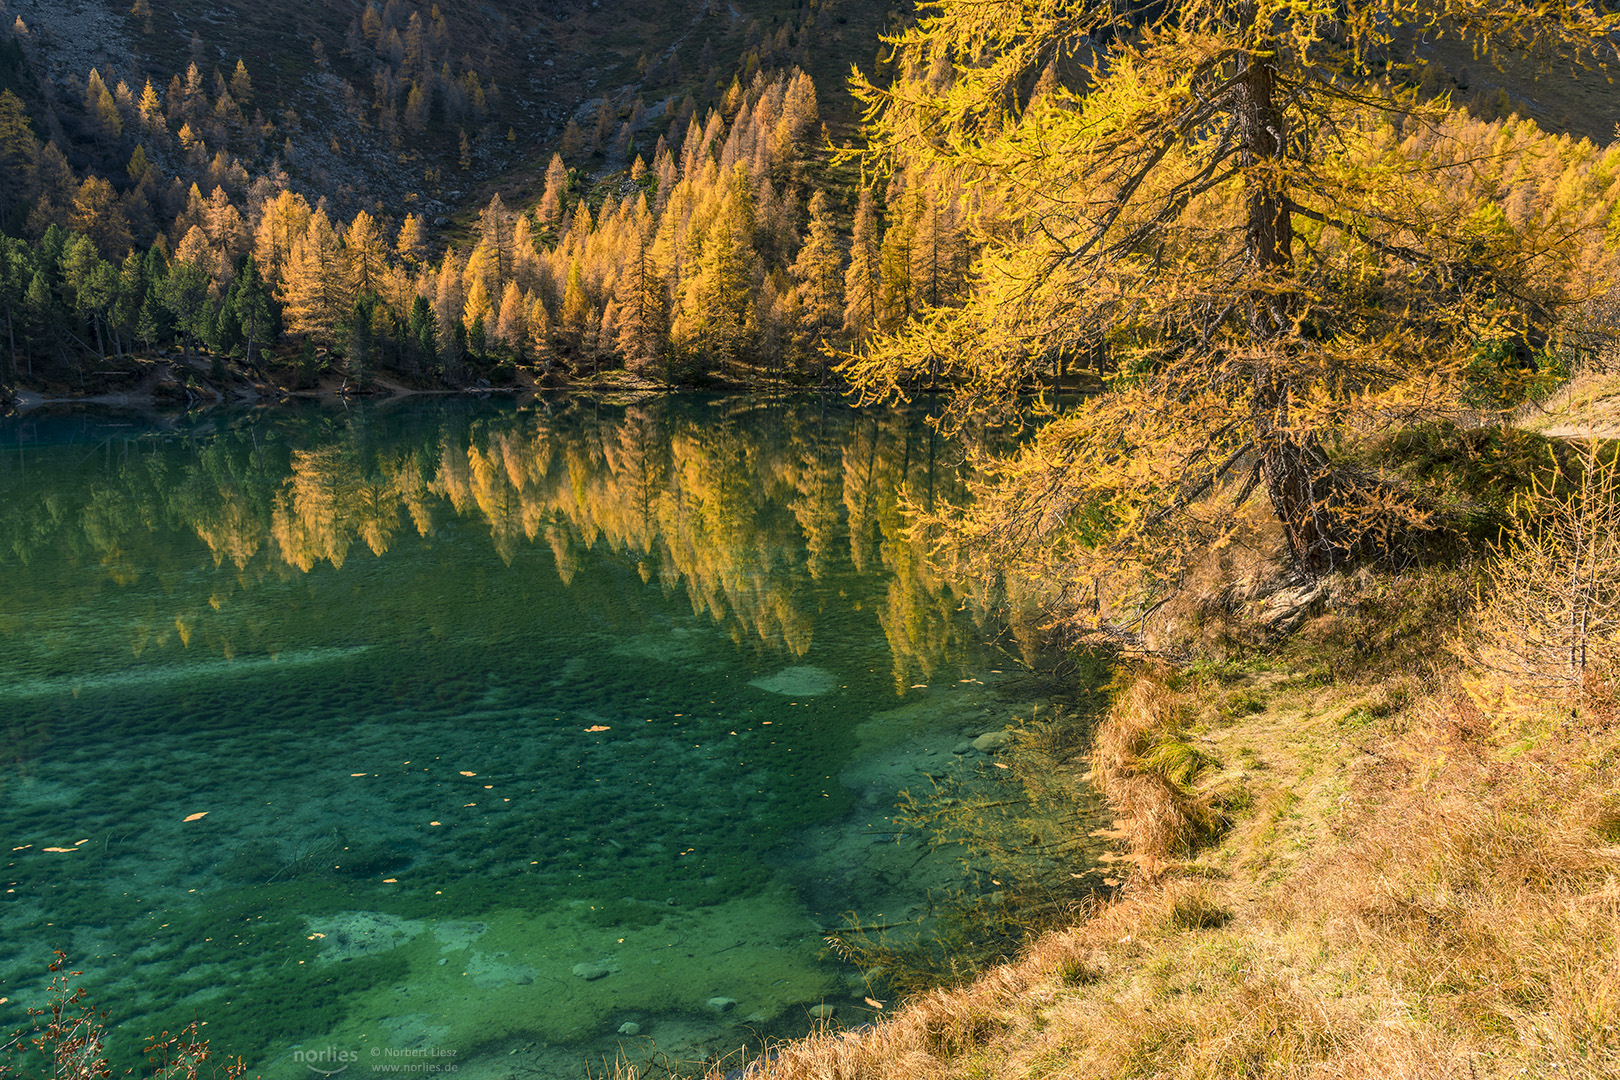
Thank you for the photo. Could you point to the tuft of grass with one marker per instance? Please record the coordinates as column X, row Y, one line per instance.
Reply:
column 1241, row 703
column 1196, row 908
column 1146, row 766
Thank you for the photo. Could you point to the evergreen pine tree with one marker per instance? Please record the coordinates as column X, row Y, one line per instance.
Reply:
column 131, row 294
column 423, row 330
column 184, row 294
column 253, row 306
column 643, row 318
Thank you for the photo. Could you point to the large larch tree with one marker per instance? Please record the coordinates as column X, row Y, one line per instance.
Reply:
column 1246, row 221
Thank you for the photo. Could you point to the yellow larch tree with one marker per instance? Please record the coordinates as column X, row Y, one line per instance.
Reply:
column 315, row 283
column 98, row 215
column 367, row 254
column 412, row 241
column 282, row 220
column 449, row 300
column 1264, row 246
column 478, row 307
column 509, row 327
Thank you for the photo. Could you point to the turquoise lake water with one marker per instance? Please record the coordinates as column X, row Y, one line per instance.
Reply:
column 467, row 736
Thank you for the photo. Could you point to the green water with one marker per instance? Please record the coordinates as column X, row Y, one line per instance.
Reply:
column 507, row 739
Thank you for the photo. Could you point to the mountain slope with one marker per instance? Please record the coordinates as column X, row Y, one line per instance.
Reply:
column 332, row 83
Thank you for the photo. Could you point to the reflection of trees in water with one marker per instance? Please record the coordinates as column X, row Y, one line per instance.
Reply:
column 316, row 516
column 754, row 512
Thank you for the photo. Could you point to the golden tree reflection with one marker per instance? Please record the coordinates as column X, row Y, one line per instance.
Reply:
column 230, row 529
column 316, row 511
column 761, row 516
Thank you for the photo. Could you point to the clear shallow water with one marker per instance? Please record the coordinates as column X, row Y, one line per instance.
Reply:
column 465, row 734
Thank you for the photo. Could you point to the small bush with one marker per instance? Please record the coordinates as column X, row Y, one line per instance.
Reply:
column 1550, row 628
column 67, row 1042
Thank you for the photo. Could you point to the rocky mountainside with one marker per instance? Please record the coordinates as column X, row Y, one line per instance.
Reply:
column 495, row 85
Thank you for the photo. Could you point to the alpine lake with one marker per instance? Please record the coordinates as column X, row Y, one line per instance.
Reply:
column 468, row 736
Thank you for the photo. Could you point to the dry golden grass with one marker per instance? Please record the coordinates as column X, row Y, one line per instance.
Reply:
column 1144, row 766
column 1588, row 406
column 1412, row 886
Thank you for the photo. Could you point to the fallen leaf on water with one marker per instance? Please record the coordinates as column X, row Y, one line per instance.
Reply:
column 194, row 817
column 598, row 727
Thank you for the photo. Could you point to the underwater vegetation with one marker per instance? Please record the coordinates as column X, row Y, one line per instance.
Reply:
column 576, row 678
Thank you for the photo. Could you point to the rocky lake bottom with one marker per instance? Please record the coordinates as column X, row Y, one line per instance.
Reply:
column 480, row 782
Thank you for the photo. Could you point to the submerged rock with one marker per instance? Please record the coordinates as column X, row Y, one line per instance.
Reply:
column 590, row 970
column 722, row 1004
column 991, row 741
column 346, row 935
column 458, row 934
column 801, row 681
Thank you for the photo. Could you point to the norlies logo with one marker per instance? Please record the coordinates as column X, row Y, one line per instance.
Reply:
column 328, row 1061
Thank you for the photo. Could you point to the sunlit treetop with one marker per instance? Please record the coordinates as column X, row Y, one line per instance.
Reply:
column 969, row 68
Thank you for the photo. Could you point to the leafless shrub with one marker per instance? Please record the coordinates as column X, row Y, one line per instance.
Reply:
column 1550, row 629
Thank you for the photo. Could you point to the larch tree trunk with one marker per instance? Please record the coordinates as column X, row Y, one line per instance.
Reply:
column 1291, row 462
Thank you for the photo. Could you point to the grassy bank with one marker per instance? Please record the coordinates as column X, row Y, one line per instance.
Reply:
column 1360, row 851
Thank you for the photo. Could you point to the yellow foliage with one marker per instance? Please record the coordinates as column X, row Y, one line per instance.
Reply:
column 1263, row 249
